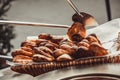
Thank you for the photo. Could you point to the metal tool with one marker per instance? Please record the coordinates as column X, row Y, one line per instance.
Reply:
column 89, row 22
column 33, row 24
column 74, row 7
column 6, row 57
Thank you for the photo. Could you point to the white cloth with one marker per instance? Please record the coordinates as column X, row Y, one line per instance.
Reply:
column 107, row 32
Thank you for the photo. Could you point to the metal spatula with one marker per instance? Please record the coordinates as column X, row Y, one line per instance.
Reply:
column 89, row 21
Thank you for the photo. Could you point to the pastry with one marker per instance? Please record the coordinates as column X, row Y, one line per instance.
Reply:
column 76, row 32
column 64, row 57
column 59, row 52
column 97, row 49
column 22, row 59
column 41, row 58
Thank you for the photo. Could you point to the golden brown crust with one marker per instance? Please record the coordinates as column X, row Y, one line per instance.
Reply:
column 42, row 58
column 50, row 46
column 22, row 59
column 54, row 44
column 45, row 49
column 67, row 42
column 97, row 49
column 68, row 48
column 45, row 36
column 85, row 40
column 76, row 32
column 27, row 49
column 82, row 43
column 64, row 57
column 29, row 44
column 56, row 39
column 40, row 51
column 59, row 52
column 92, row 38
column 38, row 41
column 22, row 52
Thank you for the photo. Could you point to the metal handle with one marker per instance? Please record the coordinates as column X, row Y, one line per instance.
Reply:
column 6, row 57
column 74, row 7
column 33, row 24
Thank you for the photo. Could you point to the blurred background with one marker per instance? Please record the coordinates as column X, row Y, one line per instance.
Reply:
column 55, row 11
column 50, row 11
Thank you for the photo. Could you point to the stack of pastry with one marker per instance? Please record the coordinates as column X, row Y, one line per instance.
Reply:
column 48, row 48
column 57, row 51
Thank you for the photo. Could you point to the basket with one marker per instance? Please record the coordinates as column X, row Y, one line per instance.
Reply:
column 36, row 69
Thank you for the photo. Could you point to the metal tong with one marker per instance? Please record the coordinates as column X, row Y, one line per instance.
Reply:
column 74, row 7
column 89, row 22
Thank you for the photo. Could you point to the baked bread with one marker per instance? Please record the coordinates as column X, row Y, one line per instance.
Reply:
column 76, row 32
